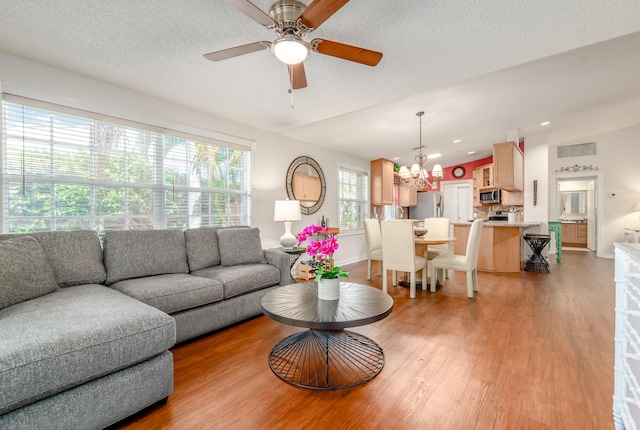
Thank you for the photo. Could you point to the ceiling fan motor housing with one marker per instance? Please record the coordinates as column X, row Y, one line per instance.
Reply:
column 286, row 13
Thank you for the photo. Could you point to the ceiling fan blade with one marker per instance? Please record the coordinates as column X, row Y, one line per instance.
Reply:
column 253, row 12
column 319, row 11
column 237, row 51
column 297, row 76
column 346, row 52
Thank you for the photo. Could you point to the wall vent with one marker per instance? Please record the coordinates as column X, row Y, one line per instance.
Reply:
column 577, row 150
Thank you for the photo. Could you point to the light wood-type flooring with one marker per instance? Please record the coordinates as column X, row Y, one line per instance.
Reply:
column 530, row 351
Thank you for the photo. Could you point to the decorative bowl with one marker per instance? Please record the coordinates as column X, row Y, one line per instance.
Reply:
column 419, row 231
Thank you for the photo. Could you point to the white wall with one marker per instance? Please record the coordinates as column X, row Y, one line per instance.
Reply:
column 270, row 160
column 535, row 169
column 618, row 165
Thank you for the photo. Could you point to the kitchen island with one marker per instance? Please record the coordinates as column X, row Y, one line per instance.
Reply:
column 501, row 244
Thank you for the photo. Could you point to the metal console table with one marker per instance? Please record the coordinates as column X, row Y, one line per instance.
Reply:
column 326, row 357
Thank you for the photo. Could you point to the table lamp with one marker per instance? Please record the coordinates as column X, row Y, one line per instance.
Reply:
column 287, row 211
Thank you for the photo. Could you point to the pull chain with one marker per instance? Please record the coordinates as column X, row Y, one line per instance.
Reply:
column 291, row 92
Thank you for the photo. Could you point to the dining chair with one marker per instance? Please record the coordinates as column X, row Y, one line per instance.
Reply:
column 437, row 227
column 464, row 263
column 398, row 254
column 373, row 237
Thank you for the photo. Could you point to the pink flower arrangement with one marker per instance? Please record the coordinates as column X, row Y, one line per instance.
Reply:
column 322, row 251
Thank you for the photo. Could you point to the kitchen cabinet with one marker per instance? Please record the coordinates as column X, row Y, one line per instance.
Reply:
column 484, row 177
column 574, row 234
column 482, row 181
column 381, row 182
column 512, row 198
column 508, row 166
column 500, row 247
column 407, row 195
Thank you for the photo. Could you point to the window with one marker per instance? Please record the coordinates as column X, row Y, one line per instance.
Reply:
column 64, row 169
column 353, row 198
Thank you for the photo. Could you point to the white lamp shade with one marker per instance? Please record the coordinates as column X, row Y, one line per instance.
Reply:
column 415, row 169
column 404, row 172
column 287, row 210
column 290, row 50
column 437, row 171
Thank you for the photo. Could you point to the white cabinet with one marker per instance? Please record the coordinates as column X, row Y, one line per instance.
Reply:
column 626, row 395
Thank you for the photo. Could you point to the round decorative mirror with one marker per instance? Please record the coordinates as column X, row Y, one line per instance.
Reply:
column 305, row 183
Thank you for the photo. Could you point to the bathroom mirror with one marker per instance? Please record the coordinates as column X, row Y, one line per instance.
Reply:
column 305, row 183
column 573, row 202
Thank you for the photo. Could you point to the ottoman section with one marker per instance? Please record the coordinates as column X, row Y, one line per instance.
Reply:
column 61, row 340
column 243, row 278
column 173, row 292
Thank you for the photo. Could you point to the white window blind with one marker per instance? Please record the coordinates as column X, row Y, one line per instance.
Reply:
column 65, row 171
column 353, row 196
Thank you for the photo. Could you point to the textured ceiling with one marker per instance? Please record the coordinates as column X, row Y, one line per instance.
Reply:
column 477, row 68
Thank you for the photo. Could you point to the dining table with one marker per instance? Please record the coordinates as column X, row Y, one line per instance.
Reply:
column 421, row 244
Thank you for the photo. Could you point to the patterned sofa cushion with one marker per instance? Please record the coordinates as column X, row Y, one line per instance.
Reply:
column 25, row 272
column 76, row 256
column 137, row 253
column 240, row 246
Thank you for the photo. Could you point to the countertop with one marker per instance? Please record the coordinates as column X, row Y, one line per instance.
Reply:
column 503, row 224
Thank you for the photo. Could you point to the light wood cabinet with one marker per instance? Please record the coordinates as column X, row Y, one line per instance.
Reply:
column 381, row 182
column 574, row 234
column 484, row 177
column 512, row 198
column 508, row 166
column 407, row 195
column 499, row 247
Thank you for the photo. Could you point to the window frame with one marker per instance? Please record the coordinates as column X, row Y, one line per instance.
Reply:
column 156, row 160
column 364, row 201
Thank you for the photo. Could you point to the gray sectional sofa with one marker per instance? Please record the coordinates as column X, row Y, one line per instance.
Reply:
column 86, row 327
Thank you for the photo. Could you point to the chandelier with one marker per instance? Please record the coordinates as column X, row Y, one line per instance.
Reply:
column 418, row 172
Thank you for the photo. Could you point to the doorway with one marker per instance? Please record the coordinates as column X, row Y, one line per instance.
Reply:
column 576, row 206
column 457, row 200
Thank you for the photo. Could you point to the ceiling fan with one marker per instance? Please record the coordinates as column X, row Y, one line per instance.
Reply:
column 292, row 21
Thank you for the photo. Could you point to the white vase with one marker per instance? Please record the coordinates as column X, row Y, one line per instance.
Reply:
column 329, row 289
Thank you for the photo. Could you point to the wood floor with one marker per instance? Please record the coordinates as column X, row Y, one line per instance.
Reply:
column 531, row 351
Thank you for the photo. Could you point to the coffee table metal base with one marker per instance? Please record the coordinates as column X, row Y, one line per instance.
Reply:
column 326, row 359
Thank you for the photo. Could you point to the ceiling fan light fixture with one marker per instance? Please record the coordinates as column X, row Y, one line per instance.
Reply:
column 290, row 49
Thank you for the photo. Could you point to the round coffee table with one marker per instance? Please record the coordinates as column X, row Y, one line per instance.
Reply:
column 326, row 357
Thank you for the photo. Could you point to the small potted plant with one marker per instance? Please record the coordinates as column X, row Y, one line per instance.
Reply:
column 327, row 274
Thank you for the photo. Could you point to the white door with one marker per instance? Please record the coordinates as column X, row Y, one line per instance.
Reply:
column 591, row 215
column 457, row 201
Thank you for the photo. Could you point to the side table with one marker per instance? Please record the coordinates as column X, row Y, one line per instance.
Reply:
column 294, row 254
column 537, row 262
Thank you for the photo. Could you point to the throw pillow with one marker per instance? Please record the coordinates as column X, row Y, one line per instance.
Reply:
column 25, row 272
column 240, row 246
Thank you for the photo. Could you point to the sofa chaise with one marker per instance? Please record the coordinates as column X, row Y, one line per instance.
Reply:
column 86, row 327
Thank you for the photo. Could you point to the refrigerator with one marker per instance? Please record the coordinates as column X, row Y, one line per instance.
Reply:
column 429, row 205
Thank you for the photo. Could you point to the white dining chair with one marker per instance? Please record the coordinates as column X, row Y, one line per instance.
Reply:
column 373, row 237
column 398, row 254
column 437, row 227
column 464, row 263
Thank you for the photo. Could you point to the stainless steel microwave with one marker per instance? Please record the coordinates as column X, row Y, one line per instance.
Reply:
column 491, row 197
